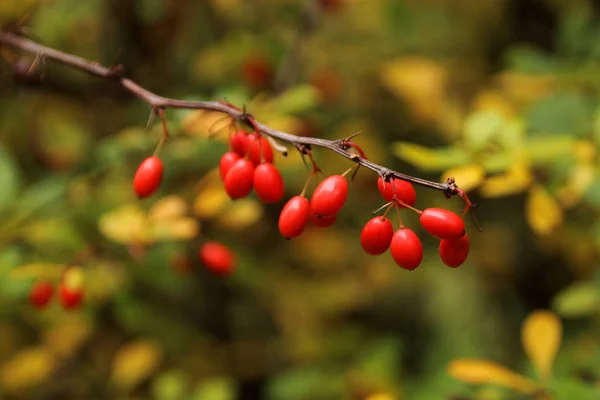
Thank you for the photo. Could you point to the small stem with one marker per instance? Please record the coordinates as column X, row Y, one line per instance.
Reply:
column 390, row 206
column 398, row 201
column 400, row 222
column 350, row 169
column 391, row 203
column 305, row 188
column 165, row 131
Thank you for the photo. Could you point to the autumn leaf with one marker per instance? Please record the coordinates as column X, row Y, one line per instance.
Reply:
column 478, row 371
column 541, row 337
column 135, row 362
column 542, row 211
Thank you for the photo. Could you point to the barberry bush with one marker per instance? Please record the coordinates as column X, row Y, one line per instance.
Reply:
column 276, row 200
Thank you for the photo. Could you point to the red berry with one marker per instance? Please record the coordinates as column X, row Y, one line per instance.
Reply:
column 238, row 181
column 442, row 223
column 406, row 249
column 259, row 149
column 268, row 183
column 376, row 235
column 70, row 298
column 217, row 258
column 294, row 217
column 454, row 252
column 227, row 161
column 239, row 142
column 321, row 222
column 329, row 197
column 405, row 192
column 148, row 176
column 40, row 295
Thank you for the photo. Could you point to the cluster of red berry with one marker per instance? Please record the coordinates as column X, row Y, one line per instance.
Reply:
column 378, row 234
column 70, row 295
column 249, row 165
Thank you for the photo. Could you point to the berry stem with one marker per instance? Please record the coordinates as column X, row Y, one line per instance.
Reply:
column 165, row 132
column 305, row 188
column 346, row 172
column 400, row 221
column 388, row 205
column 398, row 201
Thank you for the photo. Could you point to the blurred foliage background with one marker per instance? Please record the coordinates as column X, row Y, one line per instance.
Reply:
column 503, row 95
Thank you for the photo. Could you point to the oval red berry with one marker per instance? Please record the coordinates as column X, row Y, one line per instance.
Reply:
column 148, row 177
column 239, row 142
column 321, row 222
column 376, row 235
column 329, row 196
column 41, row 293
column 226, row 162
column 294, row 217
column 268, row 183
column 454, row 252
column 70, row 298
column 238, row 181
column 406, row 249
column 217, row 258
column 259, row 149
column 405, row 192
column 442, row 223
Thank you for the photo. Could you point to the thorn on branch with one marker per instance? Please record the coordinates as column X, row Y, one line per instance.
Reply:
column 116, row 71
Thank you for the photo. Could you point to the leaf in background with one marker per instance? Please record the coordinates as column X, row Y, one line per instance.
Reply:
column 215, row 389
column 170, row 385
column 428, row 159
column 541, row 336
column 481, row 128
column 296, row 100
column 478, row 371
column 577, row 300
column 168, row 207
column 542, row 211
column 241, row 215
column 27, row 368
column 544, row 149
column 9, row 180
column 561, row 113
column 183, row 228
column 37, row 271
column 516, row 180
column 526, row 88
column 134, row 362
column 310, row 382
column 381, row 396
column 66, row 336
column 125, row 225
column 419, row 81
column 467, row 177
column 211, row 201
column 53, row 232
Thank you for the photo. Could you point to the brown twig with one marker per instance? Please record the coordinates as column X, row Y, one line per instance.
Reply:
column 161, row 103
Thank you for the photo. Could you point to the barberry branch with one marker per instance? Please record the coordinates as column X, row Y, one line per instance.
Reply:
column 159, row 103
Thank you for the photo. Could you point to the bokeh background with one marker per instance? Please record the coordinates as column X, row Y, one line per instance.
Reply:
column 503, row 95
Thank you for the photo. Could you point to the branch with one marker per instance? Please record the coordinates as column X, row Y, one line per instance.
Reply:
column 158, row 103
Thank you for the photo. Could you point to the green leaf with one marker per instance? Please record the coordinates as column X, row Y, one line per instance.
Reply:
column 561, row 113
column 545, row 149
column 215, row 389
column 9, row 180
column 578, row 300
column 482, row 128
column 170, row 385
column 295, row 100
column 428, row 159
column 311, row 382
column 529, row 60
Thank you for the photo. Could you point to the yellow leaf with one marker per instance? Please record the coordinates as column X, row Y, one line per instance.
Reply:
column 211, row 201
column 467, row 177
column 135, row 362
column 478, row 371
column 495, row 100
column 541, row 336
column 27, row 368
column 380, row 396
column 38, row 271
column 516, row 180
column 67, row 335
column 168, row 207
column 419, row 81
column 177, row 229
column 125, row 225
column 580, row 179
column 525, row 88
column 104, row 279
column 241, row 215
column 430, row 159
column 74, row 277
column 207, row 123
column 542, row 211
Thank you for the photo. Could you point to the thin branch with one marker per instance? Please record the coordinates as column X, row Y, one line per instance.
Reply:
column 157, row 102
